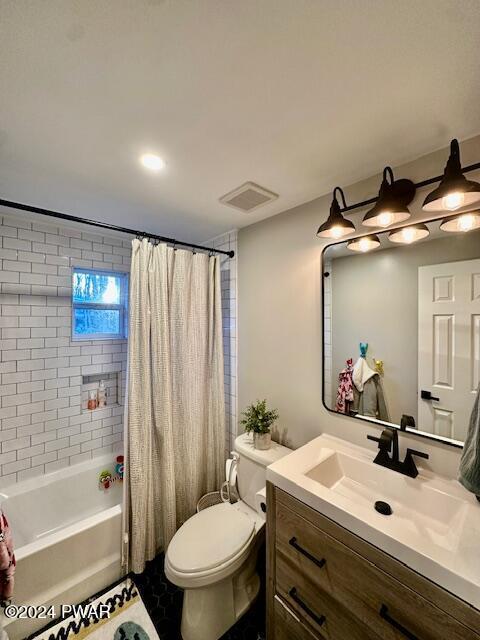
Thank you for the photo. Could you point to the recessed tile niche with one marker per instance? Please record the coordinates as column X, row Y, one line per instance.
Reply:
column 112, row 385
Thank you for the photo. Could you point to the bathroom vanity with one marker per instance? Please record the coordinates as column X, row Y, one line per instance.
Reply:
column 339, row 570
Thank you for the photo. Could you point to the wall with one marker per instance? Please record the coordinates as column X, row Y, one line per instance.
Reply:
column 280, row 314
column 371, row 292
column 43, row 425
column 228, row 273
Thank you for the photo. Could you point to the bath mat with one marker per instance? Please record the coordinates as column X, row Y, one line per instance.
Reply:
column 118, row 614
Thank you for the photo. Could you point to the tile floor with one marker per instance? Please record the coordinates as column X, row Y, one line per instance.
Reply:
column 164, row 603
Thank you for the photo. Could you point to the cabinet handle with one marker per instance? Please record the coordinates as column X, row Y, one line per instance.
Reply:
column 318, row 619
column 293, row 542
column 386, row 616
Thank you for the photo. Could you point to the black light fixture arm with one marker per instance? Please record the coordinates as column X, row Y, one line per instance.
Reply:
column 111, row 227
column 418, row 185
column 343, row 201
column 388, row 171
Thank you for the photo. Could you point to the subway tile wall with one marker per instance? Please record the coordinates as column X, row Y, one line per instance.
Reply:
column 43, row 422
column 228, row 274
column 43, row 426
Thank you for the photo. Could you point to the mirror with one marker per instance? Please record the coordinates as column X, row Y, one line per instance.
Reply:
column 402, row 331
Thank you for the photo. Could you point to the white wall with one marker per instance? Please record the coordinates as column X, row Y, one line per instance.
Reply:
column 280, row 314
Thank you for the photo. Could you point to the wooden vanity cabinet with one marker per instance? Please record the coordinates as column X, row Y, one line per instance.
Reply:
column 327, row 583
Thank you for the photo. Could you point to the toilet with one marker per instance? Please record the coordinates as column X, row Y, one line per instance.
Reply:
column 213, row 555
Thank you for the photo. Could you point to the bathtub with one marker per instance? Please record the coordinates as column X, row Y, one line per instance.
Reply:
column 67, row 537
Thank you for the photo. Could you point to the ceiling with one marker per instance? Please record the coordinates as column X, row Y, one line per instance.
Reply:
column 296, row 95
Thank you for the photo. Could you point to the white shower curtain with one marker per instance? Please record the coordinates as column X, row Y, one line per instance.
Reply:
column 176, row 405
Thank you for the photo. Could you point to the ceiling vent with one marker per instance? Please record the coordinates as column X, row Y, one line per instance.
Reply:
column 248, row 197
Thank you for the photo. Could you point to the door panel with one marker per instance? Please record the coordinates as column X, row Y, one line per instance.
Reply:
column 443, row 351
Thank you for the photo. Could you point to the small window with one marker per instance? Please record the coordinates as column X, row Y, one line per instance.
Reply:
column 99, row 309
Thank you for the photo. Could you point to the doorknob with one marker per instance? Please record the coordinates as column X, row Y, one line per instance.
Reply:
column 427, row 395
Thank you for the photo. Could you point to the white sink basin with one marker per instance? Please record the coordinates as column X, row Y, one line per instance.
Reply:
column 418, row 508
column 434, row 527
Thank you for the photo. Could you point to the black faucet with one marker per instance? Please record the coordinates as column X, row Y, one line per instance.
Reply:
column 388, row 442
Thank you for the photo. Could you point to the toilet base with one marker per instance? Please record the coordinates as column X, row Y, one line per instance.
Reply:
column 209, row 612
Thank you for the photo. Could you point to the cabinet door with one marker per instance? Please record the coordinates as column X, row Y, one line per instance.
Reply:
column 288, row 625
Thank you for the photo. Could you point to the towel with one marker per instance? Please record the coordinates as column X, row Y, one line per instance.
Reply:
column 469, row 471
column 7, row 560
column 345, row 388
column 362, row 372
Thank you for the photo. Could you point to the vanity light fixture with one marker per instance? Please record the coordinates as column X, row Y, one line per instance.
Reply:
column 454, row 190
column 391, row 205
column 336, row 226
column 364, row 244
column 409, row 234
column 462, row 222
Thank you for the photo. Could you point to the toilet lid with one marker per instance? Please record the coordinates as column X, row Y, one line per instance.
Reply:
column 210, row 538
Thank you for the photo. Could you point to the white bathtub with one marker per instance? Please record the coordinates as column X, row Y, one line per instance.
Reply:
column 67, row 537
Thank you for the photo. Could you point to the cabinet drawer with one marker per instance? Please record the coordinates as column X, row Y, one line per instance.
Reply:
column 316, row 608
column 323, row 570
column 288, row 626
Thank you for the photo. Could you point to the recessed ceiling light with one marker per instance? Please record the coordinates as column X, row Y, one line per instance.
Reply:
column 152, row 162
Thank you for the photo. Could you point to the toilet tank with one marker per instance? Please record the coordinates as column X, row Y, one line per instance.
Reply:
column 252, row 465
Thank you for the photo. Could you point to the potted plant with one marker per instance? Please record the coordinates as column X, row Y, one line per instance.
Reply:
column 258, row 419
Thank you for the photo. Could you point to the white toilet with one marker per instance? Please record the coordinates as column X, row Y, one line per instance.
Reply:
column 213, row 555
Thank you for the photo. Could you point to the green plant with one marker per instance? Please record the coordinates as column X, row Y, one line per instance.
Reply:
column 258, row 418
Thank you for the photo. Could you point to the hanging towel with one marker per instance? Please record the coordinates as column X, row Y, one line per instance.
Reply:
column 7, row 560
column 345, row 388
column 371, row 401
column 469, row 471
column 362, row 372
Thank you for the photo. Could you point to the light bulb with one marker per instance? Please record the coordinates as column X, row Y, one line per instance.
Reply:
column 364, row 245
column 336, row 232
column 408, row 235
column 385, row 219
column 466, row 222
column 152, row 162
column 453, row 201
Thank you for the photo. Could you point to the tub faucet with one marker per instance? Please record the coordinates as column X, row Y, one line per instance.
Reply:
column 388, row 442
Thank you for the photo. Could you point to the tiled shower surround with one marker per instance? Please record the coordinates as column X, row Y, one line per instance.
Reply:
column 43, row 425
column 228, row 272
column 44, row 375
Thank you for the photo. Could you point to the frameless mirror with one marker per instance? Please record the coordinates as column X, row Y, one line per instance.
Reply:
column 402, row 330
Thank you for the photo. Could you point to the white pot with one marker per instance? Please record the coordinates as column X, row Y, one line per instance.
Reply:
column 262, row 441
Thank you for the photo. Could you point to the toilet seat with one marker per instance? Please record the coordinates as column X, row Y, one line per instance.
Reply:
column 209, row 546
column 209, row 539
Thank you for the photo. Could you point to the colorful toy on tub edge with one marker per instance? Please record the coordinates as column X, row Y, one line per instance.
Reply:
column 119, row 467
column 107, row 478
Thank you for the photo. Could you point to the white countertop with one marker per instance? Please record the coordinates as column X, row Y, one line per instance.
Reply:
column 447, row 552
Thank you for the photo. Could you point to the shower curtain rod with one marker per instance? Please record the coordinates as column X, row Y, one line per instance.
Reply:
column 110, row 227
